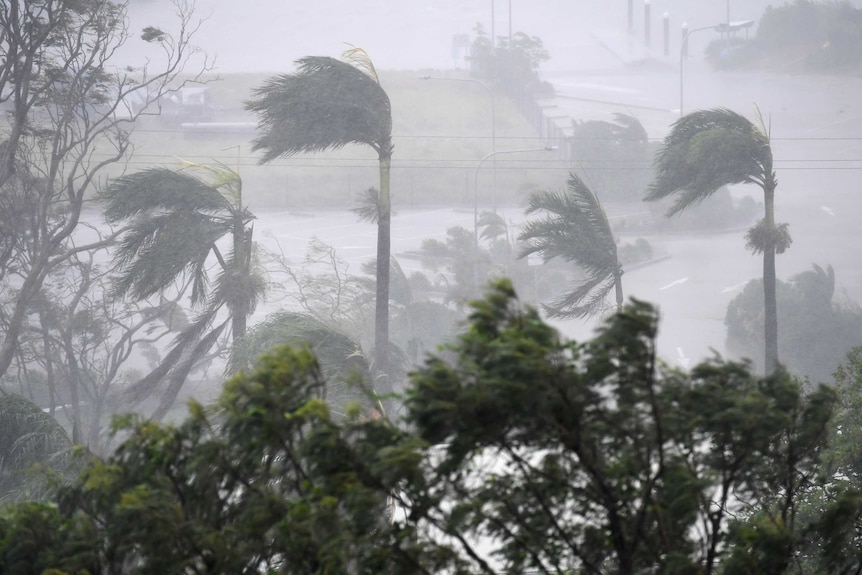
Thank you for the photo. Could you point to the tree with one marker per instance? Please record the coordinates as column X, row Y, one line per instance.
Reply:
column 817, row 329
column 69, row 117
column 31, row 442
column 520, row 452
column 708, row 149
column 328, row 104
column 344, row 367
column 594, row 458
column 576, row 229
column 174, row 223
column 613, row 156
column 79, row 342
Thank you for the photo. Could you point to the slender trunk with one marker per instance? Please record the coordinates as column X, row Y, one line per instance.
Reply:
column 239, row 302
column 618, row 286
column 770, row 307
column 382, row 384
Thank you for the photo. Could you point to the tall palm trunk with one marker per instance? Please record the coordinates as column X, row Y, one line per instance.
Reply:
column 618, row 286
column 384, row 250
column 770, row 307
column 242, row 260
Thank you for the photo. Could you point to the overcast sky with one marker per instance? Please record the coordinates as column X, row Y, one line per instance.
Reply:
column 268, row 35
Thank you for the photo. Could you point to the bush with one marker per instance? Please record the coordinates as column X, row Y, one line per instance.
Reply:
column 805, row 36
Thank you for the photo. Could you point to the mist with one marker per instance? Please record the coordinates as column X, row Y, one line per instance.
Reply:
column 598, row 67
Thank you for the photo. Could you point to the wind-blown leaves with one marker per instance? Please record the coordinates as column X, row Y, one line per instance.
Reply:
column 176, row 219
column 28, row 437
column 339, row 355
column 575, row 229
column 325, row 105
column 706, row 150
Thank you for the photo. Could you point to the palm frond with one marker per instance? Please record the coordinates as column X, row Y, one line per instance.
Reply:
column 325, row 105
column 361, row 60
column 240, row 286
column 492, row 225
column 155, row 251
column 575, row 228
column 368, row 208
column 159, row 189
column 223, row 178
column 706, row 150
column 340, row 357
column 585, row 299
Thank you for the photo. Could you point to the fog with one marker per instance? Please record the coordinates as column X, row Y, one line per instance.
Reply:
column 597, row 67
column 267, row 36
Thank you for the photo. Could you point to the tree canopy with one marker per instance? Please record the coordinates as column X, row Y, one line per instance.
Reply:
column 519, row 451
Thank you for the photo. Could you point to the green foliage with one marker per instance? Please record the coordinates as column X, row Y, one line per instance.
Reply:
column 575, row 228
column 706, row 150
column 800, row 36
column 590, row 457
column 33, row 446
column 520, row 451
column 512, row 65
column 326, row 104
column 816, row 330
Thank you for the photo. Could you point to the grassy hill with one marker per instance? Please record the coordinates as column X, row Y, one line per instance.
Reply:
column 441, row 130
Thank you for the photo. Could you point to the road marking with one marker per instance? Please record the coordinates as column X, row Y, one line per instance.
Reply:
column 828, row 210
column 734, row 287
column 674, row 283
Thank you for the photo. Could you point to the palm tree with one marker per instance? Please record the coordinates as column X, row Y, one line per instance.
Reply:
column 328, row 104
column 175, row 221
column 30, row 439
column 708, row 149
column 576, row 229
column 342, row 363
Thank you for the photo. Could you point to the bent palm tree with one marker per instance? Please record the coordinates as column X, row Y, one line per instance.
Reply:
column 576, row 229
column 706, row 150
column 328, row 104
column 176, row 220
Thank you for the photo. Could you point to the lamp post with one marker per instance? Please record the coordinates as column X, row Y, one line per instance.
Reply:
column 683, row 50
column 476, row 182
column 490, row 92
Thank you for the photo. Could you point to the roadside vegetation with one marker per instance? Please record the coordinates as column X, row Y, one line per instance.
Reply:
column 375, row 421
column 803, row 36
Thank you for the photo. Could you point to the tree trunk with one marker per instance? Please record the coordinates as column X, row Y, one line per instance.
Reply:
column 382, row 384
column 618, row 286
column 239, row 302
column 770, row 307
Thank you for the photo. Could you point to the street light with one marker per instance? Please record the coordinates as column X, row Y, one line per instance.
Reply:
column 476, row 182
column 683, row 49
column 493, row 112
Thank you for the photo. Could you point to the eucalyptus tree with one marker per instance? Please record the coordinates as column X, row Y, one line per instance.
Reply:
column 68, row 116
column 575, row 228
column 174, row 223
column 708, row 149
column 328, row 104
